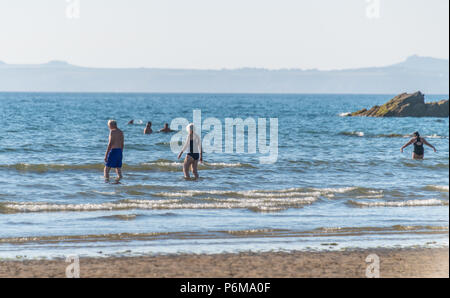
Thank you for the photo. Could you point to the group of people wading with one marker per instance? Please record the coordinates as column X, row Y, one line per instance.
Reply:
column 114, row 152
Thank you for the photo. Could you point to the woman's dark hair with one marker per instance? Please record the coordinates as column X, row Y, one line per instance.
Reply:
column 417, row 134
column 149, row 123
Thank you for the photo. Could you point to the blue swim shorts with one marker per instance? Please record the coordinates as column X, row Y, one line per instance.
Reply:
column 114, row 159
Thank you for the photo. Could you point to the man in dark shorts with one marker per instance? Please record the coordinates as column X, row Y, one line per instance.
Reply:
column 114, row 152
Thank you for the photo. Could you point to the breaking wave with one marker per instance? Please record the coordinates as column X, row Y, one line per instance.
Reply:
column 408, row 203
column 253, row 204
column 254, row 200
column 281, row 193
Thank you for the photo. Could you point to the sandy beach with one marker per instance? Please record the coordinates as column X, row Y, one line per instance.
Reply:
column 405, row 263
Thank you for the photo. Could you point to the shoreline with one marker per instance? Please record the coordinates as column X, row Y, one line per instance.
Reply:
column 394, row 262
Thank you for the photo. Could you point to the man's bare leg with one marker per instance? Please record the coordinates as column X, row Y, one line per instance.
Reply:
column 119, row 174
column 106, row 173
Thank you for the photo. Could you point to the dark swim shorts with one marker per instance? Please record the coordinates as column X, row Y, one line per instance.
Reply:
column 114, row 159
column 195, row 156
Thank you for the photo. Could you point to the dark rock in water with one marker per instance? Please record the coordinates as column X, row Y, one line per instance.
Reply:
column 407, row 105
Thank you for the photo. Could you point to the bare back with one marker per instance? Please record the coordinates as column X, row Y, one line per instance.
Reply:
column 116, row 139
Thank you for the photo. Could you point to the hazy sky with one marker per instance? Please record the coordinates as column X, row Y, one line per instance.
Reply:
column 324, row 34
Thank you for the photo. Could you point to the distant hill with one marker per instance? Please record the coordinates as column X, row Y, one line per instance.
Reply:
column 430, row 75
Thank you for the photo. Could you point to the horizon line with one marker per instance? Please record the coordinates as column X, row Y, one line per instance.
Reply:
column 68, row 64
column 213, row 93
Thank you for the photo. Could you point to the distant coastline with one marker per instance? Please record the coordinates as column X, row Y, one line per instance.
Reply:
column 430, row 75
column 388, row 95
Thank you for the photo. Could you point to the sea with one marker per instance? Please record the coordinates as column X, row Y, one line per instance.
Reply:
column 338, row 182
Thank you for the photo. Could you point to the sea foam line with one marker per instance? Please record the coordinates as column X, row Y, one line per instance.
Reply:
column 255, row 204
column 289, row 192
column 408, row 203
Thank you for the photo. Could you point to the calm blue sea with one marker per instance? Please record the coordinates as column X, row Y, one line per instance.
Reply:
column 338, row 183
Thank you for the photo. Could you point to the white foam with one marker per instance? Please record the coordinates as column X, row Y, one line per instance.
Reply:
column 335, row 190
column 245, row 194
column 42, row 207
column 354, row 133
column 205, row 203
column 370, row 197
column 435, row 136
column 224, row 164
column 281, row 193
column 409, row 203
column 109, row 193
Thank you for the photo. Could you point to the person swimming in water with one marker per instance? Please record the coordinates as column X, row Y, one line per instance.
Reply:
column 114, row 152
column 148, row 129
column 195, row 152
column 166, row 128
column 418, row 142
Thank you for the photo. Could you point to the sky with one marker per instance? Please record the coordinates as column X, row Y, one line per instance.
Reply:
column 217, row 34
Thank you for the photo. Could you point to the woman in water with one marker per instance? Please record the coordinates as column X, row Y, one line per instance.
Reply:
column 195, row 152
column 418, row 142
column 148, row 128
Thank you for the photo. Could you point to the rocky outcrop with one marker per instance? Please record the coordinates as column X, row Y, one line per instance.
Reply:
column 407, row 105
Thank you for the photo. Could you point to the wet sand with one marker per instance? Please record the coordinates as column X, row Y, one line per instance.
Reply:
column 420, row 262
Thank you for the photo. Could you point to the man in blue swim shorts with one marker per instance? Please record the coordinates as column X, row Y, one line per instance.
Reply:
column 114, row 152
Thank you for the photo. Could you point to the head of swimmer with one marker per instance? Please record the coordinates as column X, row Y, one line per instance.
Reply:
column 190, row 129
